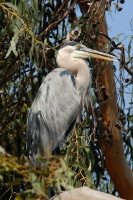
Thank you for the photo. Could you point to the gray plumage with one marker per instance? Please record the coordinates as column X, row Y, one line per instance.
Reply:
column 49, row 119
column 60, row 98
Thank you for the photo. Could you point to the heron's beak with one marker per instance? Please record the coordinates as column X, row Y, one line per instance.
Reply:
column 86, row 53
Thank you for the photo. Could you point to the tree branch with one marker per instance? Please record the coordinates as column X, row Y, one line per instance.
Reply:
column 128, row 70
column 14, row 67
column 58, row 21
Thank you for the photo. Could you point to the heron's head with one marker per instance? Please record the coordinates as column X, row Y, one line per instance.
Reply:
column 77, row 50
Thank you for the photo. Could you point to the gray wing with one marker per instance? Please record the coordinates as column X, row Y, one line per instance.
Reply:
column 54, row 109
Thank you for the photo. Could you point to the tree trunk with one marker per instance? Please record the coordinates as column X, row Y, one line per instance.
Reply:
column 115, row 161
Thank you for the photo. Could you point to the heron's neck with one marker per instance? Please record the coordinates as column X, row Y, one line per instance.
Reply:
column 83, row 75
column 83, row 80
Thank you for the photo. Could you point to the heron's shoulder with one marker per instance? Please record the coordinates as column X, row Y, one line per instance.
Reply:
column 59, row 73
column 64, row 76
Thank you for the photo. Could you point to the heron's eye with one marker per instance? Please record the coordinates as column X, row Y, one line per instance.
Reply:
column 78, row 47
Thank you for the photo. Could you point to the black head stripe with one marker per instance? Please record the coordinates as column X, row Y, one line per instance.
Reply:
column 72, row 43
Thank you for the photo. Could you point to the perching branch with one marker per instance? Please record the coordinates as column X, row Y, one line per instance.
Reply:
column 84, row 193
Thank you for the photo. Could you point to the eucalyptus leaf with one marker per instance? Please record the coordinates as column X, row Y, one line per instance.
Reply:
column 11, row 6
column 12, row 47
column 2, row 150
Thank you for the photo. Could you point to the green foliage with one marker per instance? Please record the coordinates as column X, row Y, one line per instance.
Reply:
column 80, row 158
column 31, row 32
column 56, row 173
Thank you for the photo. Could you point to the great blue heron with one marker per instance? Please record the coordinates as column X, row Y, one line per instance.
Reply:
column 60, row 98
